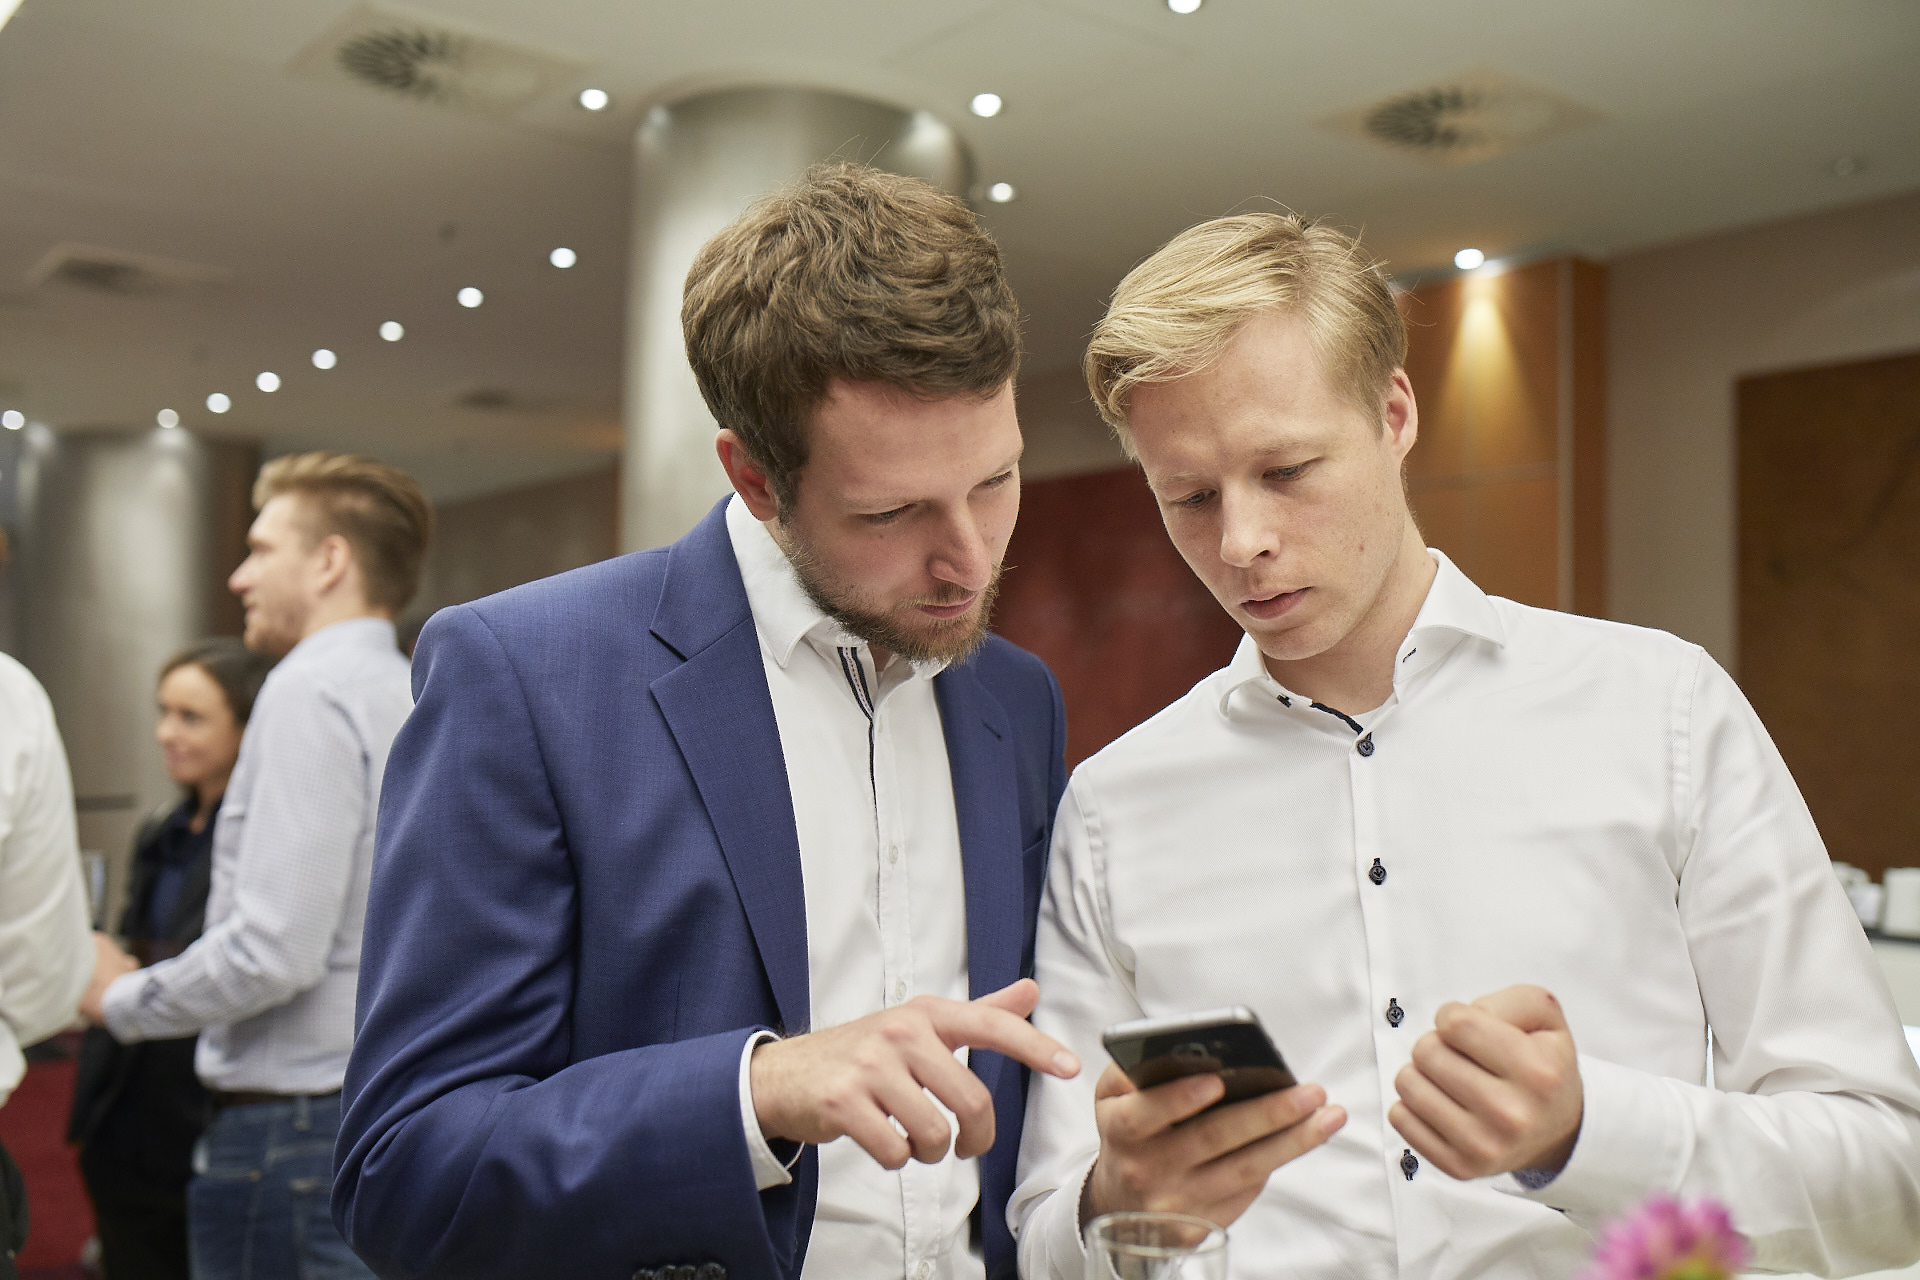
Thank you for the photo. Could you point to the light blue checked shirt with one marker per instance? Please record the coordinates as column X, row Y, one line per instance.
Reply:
column 270, row 984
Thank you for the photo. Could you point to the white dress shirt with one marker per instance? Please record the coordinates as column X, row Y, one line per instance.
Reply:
column 46, row 945
column 270, row 983
column 885, row 899
column 1543, row 799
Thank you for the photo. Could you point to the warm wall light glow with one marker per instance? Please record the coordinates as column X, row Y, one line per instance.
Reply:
column 986, row 104
column 6, row 11
column 1468, row 259
column 167, row 418
column 393, row 330
column 1001, row 192
column 591, row 99
column 268, row 382
column 325, row 359
column 1183, row 6
column 563, row 257
column 13, row 419
column 219, row 403
column 470, row 297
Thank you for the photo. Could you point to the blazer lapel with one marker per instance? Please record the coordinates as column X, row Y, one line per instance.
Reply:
column 718, row 709
column 985, row 798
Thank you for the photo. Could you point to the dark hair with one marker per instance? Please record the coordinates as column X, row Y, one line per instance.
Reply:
column 380, row 510
column 238, row 670
column 850, row 273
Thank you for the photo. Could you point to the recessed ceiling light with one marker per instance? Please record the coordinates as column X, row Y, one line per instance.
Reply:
column 268, row 381
column 1183, row 6
column 393, row 330
column 986, row 104
column 1468, row 259
column 218, row 402
column 13, row 419
column 470, row 297
column 563, row 257
column 325, row 359
column 594, row 99
column 1001, row 192
column 167, row 418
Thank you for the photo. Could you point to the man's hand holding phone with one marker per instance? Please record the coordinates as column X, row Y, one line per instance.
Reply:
column 1174, row 1146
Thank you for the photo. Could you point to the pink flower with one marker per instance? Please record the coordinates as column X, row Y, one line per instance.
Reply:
column 1666, row 1240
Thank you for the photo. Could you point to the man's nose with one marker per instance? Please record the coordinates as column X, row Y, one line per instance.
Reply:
column 1247, row 529
column 964, row 558
column 236, row 581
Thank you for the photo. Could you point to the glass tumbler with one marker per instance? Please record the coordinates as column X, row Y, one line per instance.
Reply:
column 1155, row 1246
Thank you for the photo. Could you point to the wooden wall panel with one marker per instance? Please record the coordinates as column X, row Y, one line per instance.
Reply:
column 1829, row 521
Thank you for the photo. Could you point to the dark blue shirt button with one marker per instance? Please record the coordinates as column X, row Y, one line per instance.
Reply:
column 1366, row 745
column 1395, row 1014
column 1378, row 874
column 1409, row 1164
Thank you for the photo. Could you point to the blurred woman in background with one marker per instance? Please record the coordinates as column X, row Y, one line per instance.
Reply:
column 138, row 1109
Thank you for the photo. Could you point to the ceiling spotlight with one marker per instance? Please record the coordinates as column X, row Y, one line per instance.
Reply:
column 1001, row 192
column 1183, row 6
column 594, row 99
column 13, row 419
column 563, row 258
column 986, row 104
column 268, row 382
column 1468, row 259
column 167, row 418
column 218, row 402
column 392, row 330
column 470, row 297
column 325, row 359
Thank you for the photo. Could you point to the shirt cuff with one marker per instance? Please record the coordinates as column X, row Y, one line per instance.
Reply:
column 768, row 1169
column 1051, row 1245
column 1633, row 1134
column 120, row 1006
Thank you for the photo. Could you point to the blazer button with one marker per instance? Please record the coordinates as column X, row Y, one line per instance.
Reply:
column 1409, row 1163
column 710, row 1271
column 1378, row 874
column 1395, row 1014
column 1366, row 745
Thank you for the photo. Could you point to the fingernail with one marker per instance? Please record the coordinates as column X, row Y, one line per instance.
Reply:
column 1065, row 1063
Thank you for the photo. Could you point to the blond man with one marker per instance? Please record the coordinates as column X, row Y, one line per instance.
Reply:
column 333, row 555
column 1488, row 873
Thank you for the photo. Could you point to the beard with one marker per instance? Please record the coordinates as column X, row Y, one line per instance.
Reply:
column 899, row 628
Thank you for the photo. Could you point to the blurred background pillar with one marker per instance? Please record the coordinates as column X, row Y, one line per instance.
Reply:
column 700, row 162
column 124, row 543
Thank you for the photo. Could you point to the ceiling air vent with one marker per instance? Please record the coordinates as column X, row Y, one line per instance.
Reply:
column 432, row 59
column 1463, row 120
column 117, row 272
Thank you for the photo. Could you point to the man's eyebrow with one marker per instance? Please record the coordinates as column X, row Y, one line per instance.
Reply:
column 890, row 503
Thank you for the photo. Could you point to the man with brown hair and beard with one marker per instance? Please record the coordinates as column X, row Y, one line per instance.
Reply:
column 701, row 870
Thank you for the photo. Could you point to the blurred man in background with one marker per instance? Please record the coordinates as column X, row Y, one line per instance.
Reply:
column 335, row 553
column 45, row 955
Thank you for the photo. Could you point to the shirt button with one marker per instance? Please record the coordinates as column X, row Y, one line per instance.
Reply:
column 1366, row 745
column 1379, row 873
column 922, row 1270
column 893, row 853
column 899, row 992
column 1395, row 1014
column 1409, row 1163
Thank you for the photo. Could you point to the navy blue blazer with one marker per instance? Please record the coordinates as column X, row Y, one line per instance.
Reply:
column 586, row 895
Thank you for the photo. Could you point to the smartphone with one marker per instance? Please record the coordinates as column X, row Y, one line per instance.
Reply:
column 1228, row 1042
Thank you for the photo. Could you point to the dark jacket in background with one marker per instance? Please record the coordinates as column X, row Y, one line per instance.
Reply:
column 138, row 1109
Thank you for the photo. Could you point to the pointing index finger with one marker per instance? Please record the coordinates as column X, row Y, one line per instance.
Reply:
column 983, row 1026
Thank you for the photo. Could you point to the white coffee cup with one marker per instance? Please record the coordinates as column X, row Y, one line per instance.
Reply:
column 1900, row 914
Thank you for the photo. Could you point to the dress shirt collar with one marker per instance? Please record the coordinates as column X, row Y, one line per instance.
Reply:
column 783, row 613
column 351, row 633
column 1454, row 609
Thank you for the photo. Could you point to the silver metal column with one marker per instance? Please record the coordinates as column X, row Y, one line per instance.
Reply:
column 125, row 543
column 701, row 162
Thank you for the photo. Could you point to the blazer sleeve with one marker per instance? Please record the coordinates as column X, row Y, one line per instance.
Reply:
column 471, row 1145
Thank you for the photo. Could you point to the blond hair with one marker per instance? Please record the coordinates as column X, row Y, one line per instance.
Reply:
column 380, row 510
column 850, row 273
column 1176, row 312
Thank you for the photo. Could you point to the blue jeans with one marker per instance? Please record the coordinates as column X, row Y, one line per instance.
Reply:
column 257, row 1208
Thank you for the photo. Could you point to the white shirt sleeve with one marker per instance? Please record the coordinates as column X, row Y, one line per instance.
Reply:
column 46, row 946
column 1085, row 986
column 305, row 811
column 768, row 1172
column 1811, row 1132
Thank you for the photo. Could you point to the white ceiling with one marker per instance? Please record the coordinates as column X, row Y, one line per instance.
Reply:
column 180, row 130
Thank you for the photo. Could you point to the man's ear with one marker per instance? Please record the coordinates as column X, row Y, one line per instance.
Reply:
column 337, row 564
column 749, row 477
column 1401, row 414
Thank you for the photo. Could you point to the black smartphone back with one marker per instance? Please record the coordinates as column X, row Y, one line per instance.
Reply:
column 1228, row 1042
